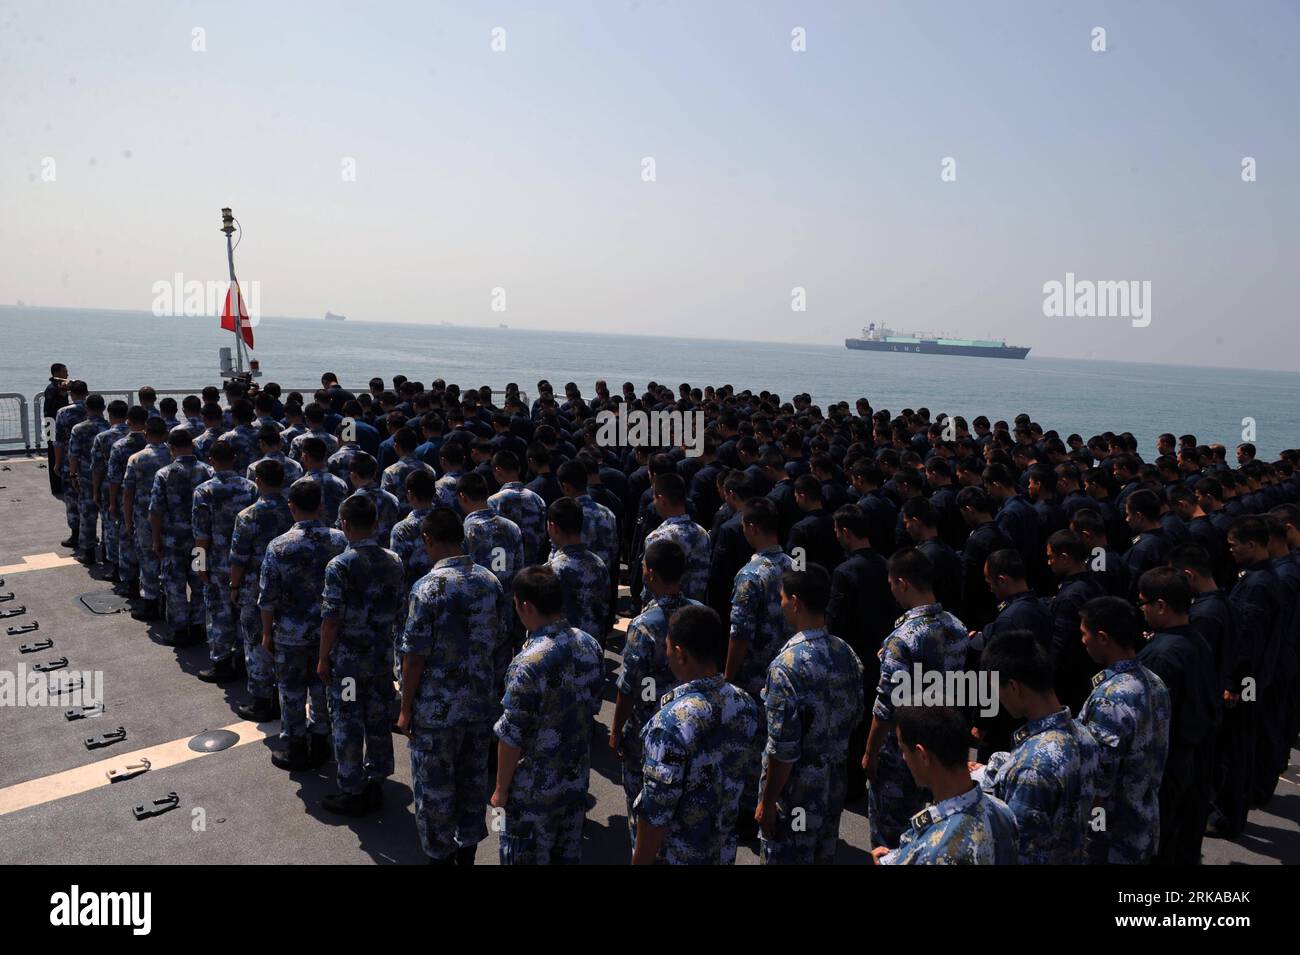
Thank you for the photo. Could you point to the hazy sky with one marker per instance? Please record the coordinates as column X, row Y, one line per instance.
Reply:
column 774, row 169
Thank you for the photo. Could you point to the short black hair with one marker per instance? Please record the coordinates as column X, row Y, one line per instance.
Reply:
column 1144, row 502
column 1007, row 563
column 1017, row 655
column 305, row 494
column 566, row 514
column 473, row 486
column 761, row 513
column 443, row 525
column 913, row 566
column 1116, row 617
column 812, row 586
column 672, row 488
column 180, row 438
column 943, row 730
column 422, row 484
column 1249, row 529
column 854, row 520
column 270, row 472
column 1169, row 585
column 359, row 511
column 539, row 586
column 698, row 630
column 573, row 473
column 667, row 559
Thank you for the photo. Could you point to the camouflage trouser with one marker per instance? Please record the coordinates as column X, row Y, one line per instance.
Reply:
column 150, row 565
column 633, row 778
column 112, row 529
column 894, row 798
column 449, row 775
column 71, row 500
column 222, row 617
column 749, row 795
column 261, row 670
column 128, row 564
column 87, row 518
column 361, row 711
column 297, row 680
column 182, row 589
column 808, row 824
column 550, row 835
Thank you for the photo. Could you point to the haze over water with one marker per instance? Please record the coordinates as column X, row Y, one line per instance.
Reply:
column 123, row 350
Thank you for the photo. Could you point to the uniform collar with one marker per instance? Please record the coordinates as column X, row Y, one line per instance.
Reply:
column 548, row 631
column 803, row 636
column 460, row 560
column 1121, row 666
column 922, row 611
column 705, row 684
column 1041, row 725
column 938, row 812
column 1023, row 595
column 769, row 551
column 314, row 522
column 364, row 542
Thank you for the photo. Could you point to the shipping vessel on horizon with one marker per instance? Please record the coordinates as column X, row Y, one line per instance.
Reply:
column 331, row 317
column 880, row 338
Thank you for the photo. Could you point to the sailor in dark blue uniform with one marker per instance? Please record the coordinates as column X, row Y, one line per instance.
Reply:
column 1151, row 544
column 978, row 606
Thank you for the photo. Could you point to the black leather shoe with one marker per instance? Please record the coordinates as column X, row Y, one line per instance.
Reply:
column 261, row 710
column 293, row 758
column 71, row 541
column 319, row 751
column 374, row 794
column 347, row 804
column 149, row 611
column 223, row 671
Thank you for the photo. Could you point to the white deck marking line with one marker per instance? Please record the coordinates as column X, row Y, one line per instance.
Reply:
column 38, row 562
column 71, row 782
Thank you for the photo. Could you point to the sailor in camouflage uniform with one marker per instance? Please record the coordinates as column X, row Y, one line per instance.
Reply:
column 81, row 466
column 214, row 426
column 333, row 491
column 396, row 475
column 363, row 589
column 315, row 417
column 516, row 502
column 599, row 526
column 492, row 541
column 813, row 702
column 362, row 474
column 243, row 436
column 128, row 563
column 100, row 450
column 1049, row 779
column 582, row 575
column 670, row 504
column 217, row 505
column 291, row 583
column 697, row 748
column 137, row 491
column 171, row 510
column 255, row 527
column 451, row 459
column 1128, row 715
column 965, row 825
column 452, row 654
column 268, row 442
column 552, row 695
column 926, row 636
column 407, row 542
column 758, row 627
column 645, row 677
column 67, row 418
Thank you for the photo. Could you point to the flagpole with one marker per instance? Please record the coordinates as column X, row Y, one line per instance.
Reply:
column 228, row 227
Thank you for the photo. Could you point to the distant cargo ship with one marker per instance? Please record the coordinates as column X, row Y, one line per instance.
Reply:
column 884, row 339
column 331, row 317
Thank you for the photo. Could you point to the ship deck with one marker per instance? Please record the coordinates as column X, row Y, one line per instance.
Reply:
column 57, row 806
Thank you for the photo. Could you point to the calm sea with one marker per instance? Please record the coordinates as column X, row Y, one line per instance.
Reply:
column 121, row 350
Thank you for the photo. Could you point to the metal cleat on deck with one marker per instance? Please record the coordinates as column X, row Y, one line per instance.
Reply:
column 76, row 683
column 5, row 598
column 157, row 807
column 14, row 612
column 84, row 712
column 106, row 739
column 35, row 647
column 129, row 771
column 58, row 663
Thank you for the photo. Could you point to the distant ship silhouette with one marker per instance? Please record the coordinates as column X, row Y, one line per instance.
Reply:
column 331, row 317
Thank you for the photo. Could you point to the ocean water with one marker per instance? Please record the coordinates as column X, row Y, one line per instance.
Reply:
column 123, row 350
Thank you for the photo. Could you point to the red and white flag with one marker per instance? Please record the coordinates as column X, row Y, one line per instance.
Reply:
column 228, row 314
